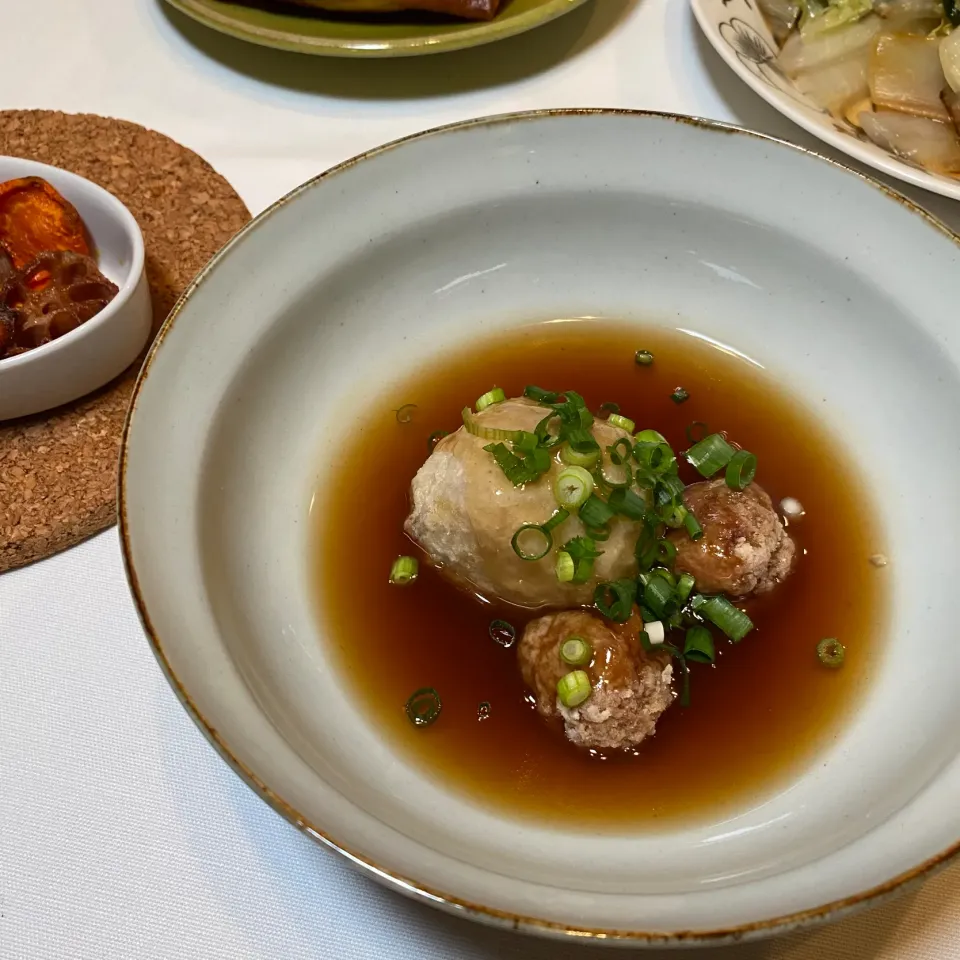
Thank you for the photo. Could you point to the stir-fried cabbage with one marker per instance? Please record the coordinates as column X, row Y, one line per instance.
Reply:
column 891, row 67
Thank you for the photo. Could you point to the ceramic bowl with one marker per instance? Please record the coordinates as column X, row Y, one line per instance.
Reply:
column 303, row 30
column 737, row 30
column 103, row 347
column 835, row 286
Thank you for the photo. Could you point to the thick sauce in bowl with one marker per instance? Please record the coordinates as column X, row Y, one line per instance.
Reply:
column 761, row 711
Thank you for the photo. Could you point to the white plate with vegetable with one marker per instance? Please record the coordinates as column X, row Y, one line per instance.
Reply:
column 877, row 79
column 350, row 427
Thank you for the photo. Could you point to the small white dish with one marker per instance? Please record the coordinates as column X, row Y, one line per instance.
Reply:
column 102, row 348
column 353, row 280
column 736, row 29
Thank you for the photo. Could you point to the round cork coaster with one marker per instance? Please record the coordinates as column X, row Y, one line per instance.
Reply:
column 58, row 470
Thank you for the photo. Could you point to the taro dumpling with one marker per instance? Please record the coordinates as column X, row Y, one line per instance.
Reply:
column 465, row 512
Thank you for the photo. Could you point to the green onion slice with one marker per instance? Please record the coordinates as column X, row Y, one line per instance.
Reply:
column 424, row 707
column 629, row 504
column 693, row 526
column 483, row 711
column 574, row 459
column 650, row 436
column 540, row 395
column 666, row 552
column 625, row 476
column 582, row 552
column 435, row 438
column 831, row 652
column 659, row 597
column 600, row 533
column 574, row 688
column 572, row 487
column 532, row 542
column 404, row 570
column 679, row 395
column 531, row 463
column 643, row 358
column 609, row 407
column 614, row 599
column 723, row 614
column 596, row 513
column 697, row 431
column 685, row 586
column 556, row 520
column 698, row 645
column 711, row 454
column 496, row 395
column 476, row 429
column 566, row 568
column 620, row 452
column 405, row 413
column 576, row 651
column 502, row 632
column 625, row 423
column 741, row 470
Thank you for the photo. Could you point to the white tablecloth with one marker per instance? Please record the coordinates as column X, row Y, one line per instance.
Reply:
column 122, row 834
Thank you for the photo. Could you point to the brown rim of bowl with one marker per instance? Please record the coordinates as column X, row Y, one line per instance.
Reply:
column 407, row 885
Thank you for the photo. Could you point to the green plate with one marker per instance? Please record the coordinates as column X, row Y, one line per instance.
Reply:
column 303, row 30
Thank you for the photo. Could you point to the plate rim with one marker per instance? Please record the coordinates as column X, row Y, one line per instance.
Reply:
column 889, row 165
column 415, row 889
column 472, row 35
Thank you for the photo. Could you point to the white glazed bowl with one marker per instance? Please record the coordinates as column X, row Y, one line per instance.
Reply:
column 737, row 30
column 104, row 346
column 341, row 287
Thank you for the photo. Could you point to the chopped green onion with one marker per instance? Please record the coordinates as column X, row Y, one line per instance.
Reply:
column 566, row 568
column 614, row 599
column 572, row 487
column 679, row 395
column 666, row 552
column 693, row 526
column 698, row 645
column 556, row 520
column 646, row 547
column 424, row 707
column 596, row 513
column 405, row 413
column 539, row 542
column 574, row 459
column 650, row 436
column 664, row 574
column 604, row 480
column 496, row 395
column 643, row 358
column 483, row 711
column 741, row 470
column 685, row 586
column 574, row 688
column 697, row 431
column 620, row 452
column 582, row 552
column 831, row 652
column 658, row 595
column 656, row 458
column 625, row 423
column 673, row 515
column 711, row 454
column 628, row 503
column 404, row 570
column 520, row 470
column 540, row 395
column 576, row 651
column 656, row 632
column 581, row 439
column 502, row 632
column 435, row 438
column 723, row 614
column 600, row 533
column 609, row 407
column 476, row 429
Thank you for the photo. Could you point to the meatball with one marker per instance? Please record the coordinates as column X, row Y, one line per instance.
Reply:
column 631, row 688
column 744, row 548
column 465, row 512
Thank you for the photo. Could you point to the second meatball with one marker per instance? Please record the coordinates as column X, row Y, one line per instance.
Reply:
column 744, row 548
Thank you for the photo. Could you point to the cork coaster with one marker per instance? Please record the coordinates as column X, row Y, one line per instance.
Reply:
column 58, row 470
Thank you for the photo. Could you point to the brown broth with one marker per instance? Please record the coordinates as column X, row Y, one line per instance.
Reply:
column 761, row 712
